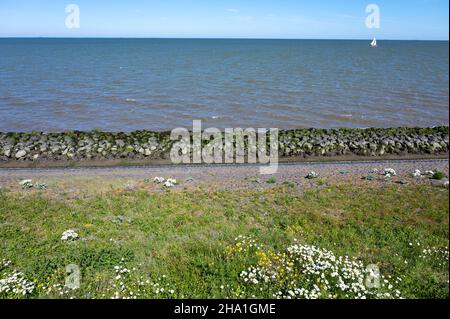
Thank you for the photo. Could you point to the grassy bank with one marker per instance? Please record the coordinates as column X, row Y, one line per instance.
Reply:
column 280, row 242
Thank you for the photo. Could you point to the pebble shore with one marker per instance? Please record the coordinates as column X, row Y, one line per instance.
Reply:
column 224, row 177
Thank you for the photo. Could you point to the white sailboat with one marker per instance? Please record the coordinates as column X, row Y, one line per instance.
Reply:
column 373, row 44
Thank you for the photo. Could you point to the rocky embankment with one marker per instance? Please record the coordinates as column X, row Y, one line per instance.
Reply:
column 96, row 145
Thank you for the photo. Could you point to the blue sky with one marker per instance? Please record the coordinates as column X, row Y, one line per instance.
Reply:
column 330, row 19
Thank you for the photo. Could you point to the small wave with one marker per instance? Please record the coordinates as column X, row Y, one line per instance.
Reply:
column 131, row 100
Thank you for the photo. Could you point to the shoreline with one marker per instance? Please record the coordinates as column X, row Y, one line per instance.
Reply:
column 213, row 177
column 96, row 148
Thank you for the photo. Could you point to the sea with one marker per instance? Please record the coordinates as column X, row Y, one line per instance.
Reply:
column 59, row 84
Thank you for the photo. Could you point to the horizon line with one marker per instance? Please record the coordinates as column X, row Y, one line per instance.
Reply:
column 212, row 38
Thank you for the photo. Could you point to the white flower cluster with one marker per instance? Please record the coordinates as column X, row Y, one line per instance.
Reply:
column 40, row 186
column 306, row 271
column 58, row 289
column 4, row 264
column 14, row 283
column 170, row 182
column 441, row 255
column 312, row 175
column 159, row 180
column 69, row 235
column 389, row 172
column 120, row 271
column 301, row 293
column 254, row 275
column 28, row 183
column 129, row 286
column 417, row 173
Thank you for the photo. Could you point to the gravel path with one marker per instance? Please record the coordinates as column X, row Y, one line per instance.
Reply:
column 222, row 176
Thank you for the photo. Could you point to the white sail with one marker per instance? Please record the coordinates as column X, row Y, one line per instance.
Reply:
column 373, row 43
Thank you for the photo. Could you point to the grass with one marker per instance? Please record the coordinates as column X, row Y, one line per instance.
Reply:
column 187, row 244
column 438, row 176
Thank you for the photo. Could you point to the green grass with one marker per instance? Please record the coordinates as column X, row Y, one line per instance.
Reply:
column 179, row 240
column 438, row 176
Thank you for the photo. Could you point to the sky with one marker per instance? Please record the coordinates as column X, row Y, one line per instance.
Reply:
column 292, row 19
